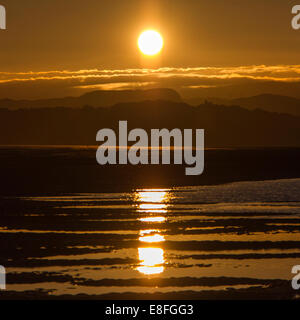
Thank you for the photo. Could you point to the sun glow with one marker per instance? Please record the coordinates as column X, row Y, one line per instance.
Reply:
column 150, row 42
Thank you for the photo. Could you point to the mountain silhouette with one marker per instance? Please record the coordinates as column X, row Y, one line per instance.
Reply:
column 99, row 98
column 271, row 102
column 267, row 102
column 229, row 126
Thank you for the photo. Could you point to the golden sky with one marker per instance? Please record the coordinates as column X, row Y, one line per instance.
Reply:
column 208, row 45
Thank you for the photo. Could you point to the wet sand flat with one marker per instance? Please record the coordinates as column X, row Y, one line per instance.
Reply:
column 232, row 241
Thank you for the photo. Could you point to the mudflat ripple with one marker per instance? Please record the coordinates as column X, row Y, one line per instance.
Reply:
column 232, row 241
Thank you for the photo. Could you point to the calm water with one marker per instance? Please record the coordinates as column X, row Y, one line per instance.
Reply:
column 231, row 240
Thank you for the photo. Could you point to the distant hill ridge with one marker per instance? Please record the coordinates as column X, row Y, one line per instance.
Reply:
column 267, row 102
column 271, row 102
column 107, row 98
column 224, row 126
column 99, row 98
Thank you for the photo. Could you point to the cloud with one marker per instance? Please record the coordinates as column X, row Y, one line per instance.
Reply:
column 198, row 80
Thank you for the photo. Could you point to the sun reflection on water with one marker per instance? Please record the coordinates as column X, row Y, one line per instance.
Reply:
column 151, row 202
column 151, row 260
column 152, row 219
column 154, row 238
column 150, row 207
column 155, row 196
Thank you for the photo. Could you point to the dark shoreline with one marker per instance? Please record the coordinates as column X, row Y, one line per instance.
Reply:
column 63, row 170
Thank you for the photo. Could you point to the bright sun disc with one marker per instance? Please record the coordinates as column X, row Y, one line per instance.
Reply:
column 150, row 42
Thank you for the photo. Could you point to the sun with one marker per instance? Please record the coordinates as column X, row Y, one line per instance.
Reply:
column 150, row 42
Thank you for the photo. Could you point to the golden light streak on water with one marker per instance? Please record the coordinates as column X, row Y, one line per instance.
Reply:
column 151, row 260
column 151, row 201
